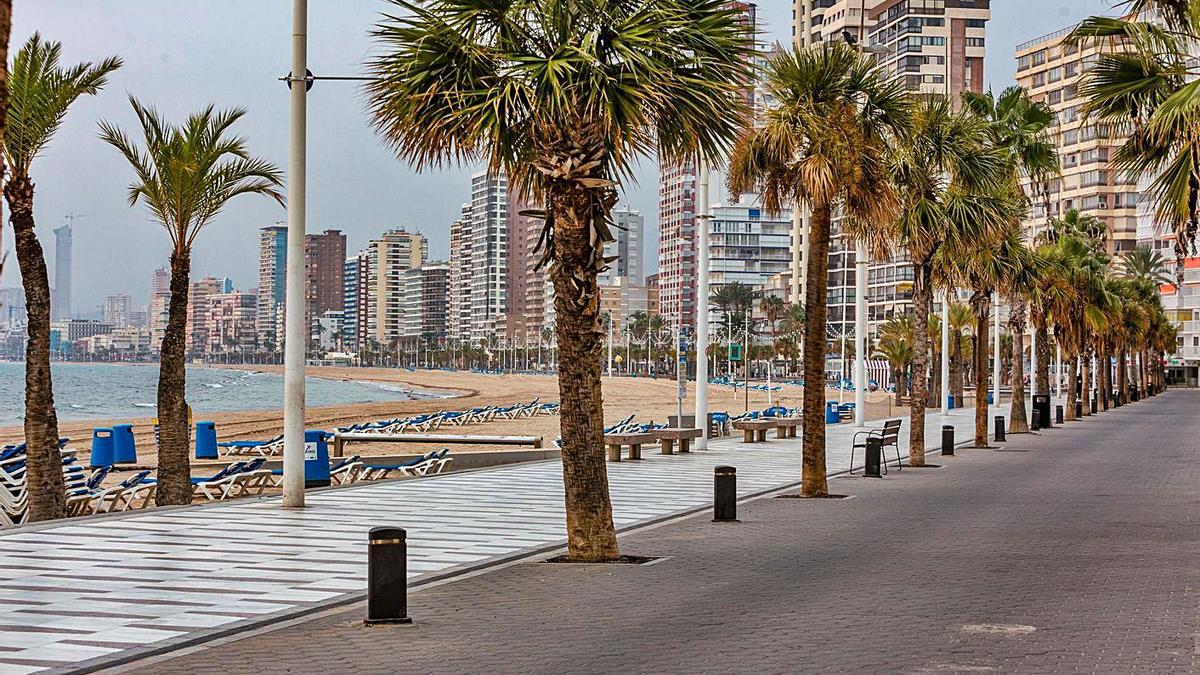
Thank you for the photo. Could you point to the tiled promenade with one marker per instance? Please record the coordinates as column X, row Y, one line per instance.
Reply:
column 86, row 594
column 1070, row 551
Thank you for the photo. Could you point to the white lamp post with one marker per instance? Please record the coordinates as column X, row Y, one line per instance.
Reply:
column 860, row 334
column 996, row 349
column 293, row 355
column 945, row 374
column 703, row 218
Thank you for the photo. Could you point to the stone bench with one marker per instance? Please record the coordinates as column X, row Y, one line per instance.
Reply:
column 635, row 442
column 667, row 438
column 787, row 426
column 755, row 430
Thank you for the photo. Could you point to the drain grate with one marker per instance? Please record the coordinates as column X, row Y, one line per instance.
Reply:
column 623, row 560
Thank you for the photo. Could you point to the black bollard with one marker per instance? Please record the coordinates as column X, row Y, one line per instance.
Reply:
column 724, row 494
column 1078, row 410
column 1035, row 420
column 1093, row 405
column 387, row 576
column 999, row 425
column 1058, row 414
column 874, row 457
column 947, row 440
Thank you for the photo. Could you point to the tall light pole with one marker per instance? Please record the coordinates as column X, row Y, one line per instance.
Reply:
column 293, row 354
column 996, row 349
column 860, row 334
column 703, row 217
column 610, row 329
column 945, row 374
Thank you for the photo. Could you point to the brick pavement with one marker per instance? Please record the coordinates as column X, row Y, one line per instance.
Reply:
column 1071, row 551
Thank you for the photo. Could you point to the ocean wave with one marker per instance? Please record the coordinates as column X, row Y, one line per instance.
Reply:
column 214, row 385
column 144, row 405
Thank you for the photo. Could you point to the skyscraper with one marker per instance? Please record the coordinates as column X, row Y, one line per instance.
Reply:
column 324, row 268
column 60, row 305
column 373, row 287
column 458, row 322
column 487, row 229
column 160, row 300
column 627, row 248
column 423, row 302
column 272, row 273
column 117, row 309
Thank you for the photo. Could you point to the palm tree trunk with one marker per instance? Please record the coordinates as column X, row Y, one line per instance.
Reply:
column 1043, row 356
column 5, row 32
column 1085, row 384
column 174, row 468
column 922, row 305
column 956, row 367
column 1072, row 388
column 1105, row 381
column 1018, row 423
column 813, row 479
column 981, row 303
column 591, row 536
column 1123, row 375
column 43, row 464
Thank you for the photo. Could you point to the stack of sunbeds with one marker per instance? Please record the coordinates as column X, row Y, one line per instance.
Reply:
column 239, row 479
column 431, row 421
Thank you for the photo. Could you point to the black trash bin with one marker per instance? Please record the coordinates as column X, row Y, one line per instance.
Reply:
column 1041, row 403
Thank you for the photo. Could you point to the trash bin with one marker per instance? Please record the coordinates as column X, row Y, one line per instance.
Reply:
column 831, row 412
column 950, row 402
column 990, row 398
column 1041, row 403
column 316, row 459
column 1133, row 393
column 206, row 440
column 124, row 449
column 102, row 447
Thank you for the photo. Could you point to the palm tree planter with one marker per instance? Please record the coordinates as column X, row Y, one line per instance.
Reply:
column 39, row 94
column 824, row 145
column 562, row 95
column 185, row 175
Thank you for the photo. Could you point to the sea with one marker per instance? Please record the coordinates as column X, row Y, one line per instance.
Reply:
column 85, row 391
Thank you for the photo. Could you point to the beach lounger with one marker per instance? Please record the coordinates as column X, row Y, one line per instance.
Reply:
column 412, row 468
column 346, row 471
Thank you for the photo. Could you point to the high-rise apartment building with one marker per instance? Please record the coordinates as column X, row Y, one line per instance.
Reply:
column 629, row 233
column 160, row 301
column 324, row 267
column 373, row 287
column 1050, row 71
column 198, row 309
column 423, row 304
column 747, row 245
column 272, row 279
column 117, row 309
column 60, row 303
column 458, row 321
column 231, row 322
column 489, row 255
column 677, row 241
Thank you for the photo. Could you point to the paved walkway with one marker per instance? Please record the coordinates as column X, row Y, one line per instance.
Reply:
column 90, row 593
column 1070, row 551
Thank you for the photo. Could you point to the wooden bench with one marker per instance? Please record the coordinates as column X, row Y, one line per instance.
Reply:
column 755, row 430
column 888, row 435
column 635, row 442
column 787, row 426
column 667, row 438
column 341, row 439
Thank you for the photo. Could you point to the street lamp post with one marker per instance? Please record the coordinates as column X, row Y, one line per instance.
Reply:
column 996, row 349
column 702, row 217
column 945, row 374
column 860, row 334
column 293, row 370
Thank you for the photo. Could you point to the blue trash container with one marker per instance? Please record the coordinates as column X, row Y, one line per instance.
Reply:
column 316, row 459
column 124, row 448
column 831, row 412
column 989, row 398
column 102, row 447
column 206, row 440
column 950, row 401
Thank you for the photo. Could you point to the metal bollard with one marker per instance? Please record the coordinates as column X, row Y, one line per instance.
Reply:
column 1093, row 405
column 1058, row 414
column 874, row 458
column 387, row 576
column 999, row 425
column 1078, row 410
column 947, row 440
column 724, row 494
column 1035, row 420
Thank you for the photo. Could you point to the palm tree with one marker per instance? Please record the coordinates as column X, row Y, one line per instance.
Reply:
column 792, row 326
column 1146, row 264
column 950, row 178
column 5, row 32
column 962, row 322
column 899, row 354
column 824, row 146
column 563, row 96
column 1020, row 128
column 772, row 308
column 40, row 91
column 185, row 175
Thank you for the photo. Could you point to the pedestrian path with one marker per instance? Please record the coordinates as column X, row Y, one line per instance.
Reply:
column 109, row 589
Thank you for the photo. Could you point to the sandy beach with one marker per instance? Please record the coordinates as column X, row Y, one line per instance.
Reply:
column 648, row 399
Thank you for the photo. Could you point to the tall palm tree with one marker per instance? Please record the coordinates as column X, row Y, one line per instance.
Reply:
column 899, row 354
column 563, row 96
column 1020, row 128
column 824, row 145
column 5, row 32
column 792, row 326
column 1146, row 264
column 40, row 91
column 961, row 322
column 949, row 175
column 185, row 175
column 772, row 308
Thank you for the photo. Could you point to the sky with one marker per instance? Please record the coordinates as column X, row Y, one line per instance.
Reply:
column 180, row 56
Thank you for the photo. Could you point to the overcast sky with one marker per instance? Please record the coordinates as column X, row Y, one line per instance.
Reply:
column 182, row 55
